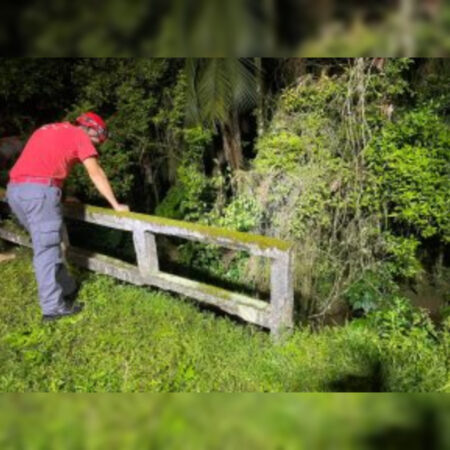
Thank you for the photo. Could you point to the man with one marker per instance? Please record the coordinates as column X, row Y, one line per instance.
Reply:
column 34, row 196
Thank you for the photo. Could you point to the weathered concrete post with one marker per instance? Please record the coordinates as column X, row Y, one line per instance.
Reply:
column 281, row 293
column 146, row 252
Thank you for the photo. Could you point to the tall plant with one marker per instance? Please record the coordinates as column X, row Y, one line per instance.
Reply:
column 219, row 89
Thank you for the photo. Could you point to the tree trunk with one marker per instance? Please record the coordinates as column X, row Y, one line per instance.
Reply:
column 149, row 180
column 231, row 136
column 260, row 95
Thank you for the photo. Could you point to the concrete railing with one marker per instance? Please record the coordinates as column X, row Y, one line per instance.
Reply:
column 276, row 315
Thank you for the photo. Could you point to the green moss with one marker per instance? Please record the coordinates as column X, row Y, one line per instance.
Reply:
column 215, row 291
column 220, row 292
column 118, row 263
column 261, row 242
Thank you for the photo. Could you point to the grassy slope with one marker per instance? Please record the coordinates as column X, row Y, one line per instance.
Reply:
column 136, row 339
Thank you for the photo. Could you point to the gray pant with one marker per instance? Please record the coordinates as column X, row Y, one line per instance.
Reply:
column 38, row 208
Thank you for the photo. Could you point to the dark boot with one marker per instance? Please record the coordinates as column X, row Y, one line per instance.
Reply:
column 71, row 297
column 63, row 311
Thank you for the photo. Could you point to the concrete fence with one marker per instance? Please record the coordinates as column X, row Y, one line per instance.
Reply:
column 275, row 315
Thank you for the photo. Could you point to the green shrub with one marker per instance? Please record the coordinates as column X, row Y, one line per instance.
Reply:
column 192, row 196
column 413, row 352
column 411, row 163
column 129, row 94
column 370, row 291
column 403, row 254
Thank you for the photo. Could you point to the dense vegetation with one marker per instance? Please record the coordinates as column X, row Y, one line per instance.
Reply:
column 348, row 159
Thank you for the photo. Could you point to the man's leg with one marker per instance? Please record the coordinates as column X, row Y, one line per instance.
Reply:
column 47, row 258
column 38, row 209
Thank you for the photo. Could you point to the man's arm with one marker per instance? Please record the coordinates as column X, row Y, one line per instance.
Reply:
column 100, row 180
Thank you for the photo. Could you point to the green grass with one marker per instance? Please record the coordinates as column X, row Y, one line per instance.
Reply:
column 133, row 339
column 222, row 422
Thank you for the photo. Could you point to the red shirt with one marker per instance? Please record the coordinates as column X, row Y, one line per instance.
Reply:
column 52, row 150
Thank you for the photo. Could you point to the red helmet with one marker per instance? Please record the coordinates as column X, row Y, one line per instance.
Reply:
column 92, row 120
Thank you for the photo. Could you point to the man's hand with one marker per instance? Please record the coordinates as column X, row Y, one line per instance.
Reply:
column 122, row 208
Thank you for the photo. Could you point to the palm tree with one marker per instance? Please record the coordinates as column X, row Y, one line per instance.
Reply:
column 219, row 90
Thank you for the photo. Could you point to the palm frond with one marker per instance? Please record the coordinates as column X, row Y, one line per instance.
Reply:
column 243, row 74
column 193, row 115
column 214, row 90
column 219, row 85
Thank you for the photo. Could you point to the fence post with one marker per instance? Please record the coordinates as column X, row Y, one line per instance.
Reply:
column 281, row 293
column 146, row 252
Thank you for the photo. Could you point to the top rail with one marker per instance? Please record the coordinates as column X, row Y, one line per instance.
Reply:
column 129, row 221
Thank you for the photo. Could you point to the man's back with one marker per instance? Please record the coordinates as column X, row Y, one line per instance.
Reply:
column 52, row 150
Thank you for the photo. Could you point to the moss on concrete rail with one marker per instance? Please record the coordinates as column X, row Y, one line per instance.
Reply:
column 263, row 242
